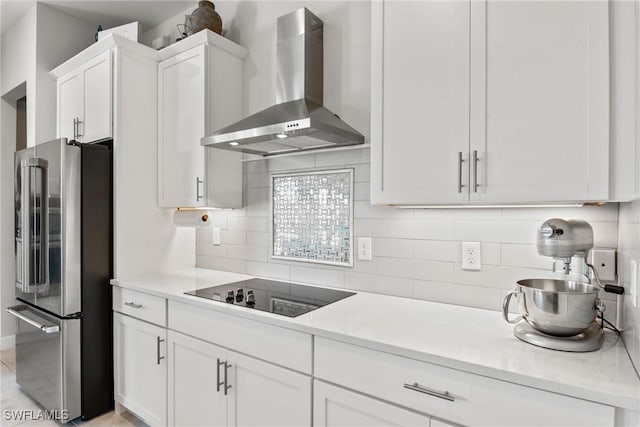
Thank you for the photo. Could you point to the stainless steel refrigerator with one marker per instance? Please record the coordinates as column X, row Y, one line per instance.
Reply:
column 63, row 254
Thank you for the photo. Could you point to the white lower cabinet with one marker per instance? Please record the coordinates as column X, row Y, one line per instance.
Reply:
column 334, row 406
column 140, row 368
column 213, row 386
column 448, row 394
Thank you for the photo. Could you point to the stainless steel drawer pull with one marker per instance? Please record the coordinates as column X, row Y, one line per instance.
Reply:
column 460, row 161
column 219, row 383
column 133, row 304
column 47, row 329
column 159, row 341
column 435, row 393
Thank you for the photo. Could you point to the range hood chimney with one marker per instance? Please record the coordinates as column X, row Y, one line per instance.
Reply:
column 298, row 121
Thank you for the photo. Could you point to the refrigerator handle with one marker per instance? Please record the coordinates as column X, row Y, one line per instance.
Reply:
column 28, row 234
column 47, row 329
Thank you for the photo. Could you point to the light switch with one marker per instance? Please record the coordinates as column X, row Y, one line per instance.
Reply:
column 216, row 236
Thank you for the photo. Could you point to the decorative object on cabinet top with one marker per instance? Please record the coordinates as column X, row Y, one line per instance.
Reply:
column 205, row 16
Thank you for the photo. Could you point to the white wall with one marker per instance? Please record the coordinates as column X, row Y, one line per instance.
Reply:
column 18, row 50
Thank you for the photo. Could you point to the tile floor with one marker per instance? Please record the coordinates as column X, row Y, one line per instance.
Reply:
column 11, row 398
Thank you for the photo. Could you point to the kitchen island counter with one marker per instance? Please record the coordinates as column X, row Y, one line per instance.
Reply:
column 468, row 339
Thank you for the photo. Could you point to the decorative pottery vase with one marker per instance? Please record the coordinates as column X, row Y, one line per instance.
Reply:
column 205, row 16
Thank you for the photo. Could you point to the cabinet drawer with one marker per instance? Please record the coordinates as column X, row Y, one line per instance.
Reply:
column 281, row 346
column 143, row 306
column 477, row 400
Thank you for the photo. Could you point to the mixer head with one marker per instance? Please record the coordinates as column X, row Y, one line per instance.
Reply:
column 564, row 238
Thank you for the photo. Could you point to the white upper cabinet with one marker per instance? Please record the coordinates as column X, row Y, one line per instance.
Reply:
column 200, row 90
column 421, row 93
column 540, row 101
column 181, row 122
column 85, row 101
column 490, row 102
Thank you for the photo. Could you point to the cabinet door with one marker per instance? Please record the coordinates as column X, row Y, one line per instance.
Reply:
column 140, row 368
column 194, row 396
column 539, row 100
column 97, row 98
column 181, row 125
column 420, row 102
column 263, row 394
column 334, row 406
column 70, row 104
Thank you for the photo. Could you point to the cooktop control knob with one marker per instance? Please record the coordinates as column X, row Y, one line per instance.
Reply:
column 230, row 297
column 251, row 299
column 239, row 295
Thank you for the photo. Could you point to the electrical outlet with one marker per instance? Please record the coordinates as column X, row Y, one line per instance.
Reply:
column 471, row 256
column 216, row 236
column 364, row 248
column 604, row 261
column 633, row 283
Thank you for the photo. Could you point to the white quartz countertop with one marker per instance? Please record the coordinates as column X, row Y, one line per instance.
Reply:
column 469, row 339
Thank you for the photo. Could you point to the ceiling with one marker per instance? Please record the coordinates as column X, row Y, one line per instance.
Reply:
column 106, row 13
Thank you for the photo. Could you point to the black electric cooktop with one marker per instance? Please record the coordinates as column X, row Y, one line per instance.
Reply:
column 284, row 298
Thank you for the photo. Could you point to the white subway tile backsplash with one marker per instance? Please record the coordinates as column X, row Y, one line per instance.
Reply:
column 451, row 293
column 415, row 229
column 608, row 212
column 282, row 164
column 524, row 256
column 362, row 173
column 379, row 284
column 233, row 237
column 361, row 191
column 317, row 276
column 416, row 252
column 333, row 159
column 496, row 231
column 255, row 238
column 258, row 180
column 268, row 270
column 393, row 248
column 256, row 253
column 256, row 166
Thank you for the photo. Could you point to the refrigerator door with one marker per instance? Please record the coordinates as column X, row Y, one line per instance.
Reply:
column 48, row 360
column 48, row 213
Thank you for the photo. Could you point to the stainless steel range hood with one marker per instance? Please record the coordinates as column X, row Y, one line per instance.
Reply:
column 298, row 121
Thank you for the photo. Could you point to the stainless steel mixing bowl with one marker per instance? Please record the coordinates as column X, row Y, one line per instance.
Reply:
column 561, row 308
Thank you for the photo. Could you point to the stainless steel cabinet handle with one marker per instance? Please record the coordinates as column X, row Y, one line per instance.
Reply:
column 198, row 182
column 78, row 124
column 460, row 161
column 219, row 383
column 475, row 171
column 47, row 329
column 226, row 384
column 160, row 340
column 133, row 304
column 435, row 393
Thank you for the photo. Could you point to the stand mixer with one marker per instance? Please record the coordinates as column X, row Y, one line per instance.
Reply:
column 560, row 312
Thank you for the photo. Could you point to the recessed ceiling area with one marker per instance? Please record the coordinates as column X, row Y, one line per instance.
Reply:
column 100, row 12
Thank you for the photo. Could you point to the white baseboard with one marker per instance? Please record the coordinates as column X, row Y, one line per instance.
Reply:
column 8, row 342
